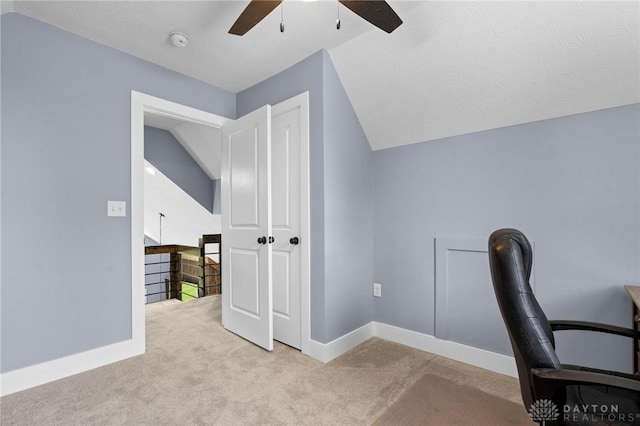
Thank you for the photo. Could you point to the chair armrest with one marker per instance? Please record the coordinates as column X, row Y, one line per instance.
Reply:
column 594, row 326
column 550, row 383
column 552, row 379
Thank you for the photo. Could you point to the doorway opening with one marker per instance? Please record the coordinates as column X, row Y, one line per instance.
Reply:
column 182, row 209
column 142, row 105
column 159, row 110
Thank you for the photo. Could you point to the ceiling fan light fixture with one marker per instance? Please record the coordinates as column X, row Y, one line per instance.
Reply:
column 179, row 39
column 377, row 12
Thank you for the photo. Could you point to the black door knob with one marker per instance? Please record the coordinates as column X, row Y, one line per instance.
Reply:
column 294, row 241
column 271, row 240
column 262, row 240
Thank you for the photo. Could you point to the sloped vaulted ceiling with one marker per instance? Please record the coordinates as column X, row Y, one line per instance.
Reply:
column 451, row 68
column 460, row 67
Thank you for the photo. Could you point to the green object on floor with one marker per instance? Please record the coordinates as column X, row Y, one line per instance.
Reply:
column 189, row 291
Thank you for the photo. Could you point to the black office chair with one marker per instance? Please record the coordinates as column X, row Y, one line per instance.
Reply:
column 547, row 386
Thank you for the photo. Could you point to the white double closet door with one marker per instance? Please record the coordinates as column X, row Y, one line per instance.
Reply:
column 261, row 224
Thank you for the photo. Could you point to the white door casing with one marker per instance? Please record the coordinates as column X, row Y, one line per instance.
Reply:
column 144, row 104
column 246, row 220
column 286, row 221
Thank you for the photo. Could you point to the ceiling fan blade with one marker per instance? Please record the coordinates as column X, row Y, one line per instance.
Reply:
column 377, row 12
column 255, row 12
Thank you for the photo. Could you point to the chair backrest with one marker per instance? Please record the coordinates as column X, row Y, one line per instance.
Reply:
column 510, row 258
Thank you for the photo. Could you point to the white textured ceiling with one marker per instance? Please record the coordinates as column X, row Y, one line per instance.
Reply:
column 451, row 68
column 459, row 67
column 142, row 29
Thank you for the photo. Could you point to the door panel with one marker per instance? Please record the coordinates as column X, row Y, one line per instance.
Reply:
column 280, row 178
column 243, row 180
column 285, row 151
column 246, row 186
column 282, row 285
column 245, row 294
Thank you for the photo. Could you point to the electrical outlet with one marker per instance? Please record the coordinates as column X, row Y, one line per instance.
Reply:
column 377, row 289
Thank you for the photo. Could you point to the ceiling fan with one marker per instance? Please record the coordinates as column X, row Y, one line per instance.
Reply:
column 377, row 12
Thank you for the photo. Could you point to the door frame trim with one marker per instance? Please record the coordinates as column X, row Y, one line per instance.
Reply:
column 141, row 104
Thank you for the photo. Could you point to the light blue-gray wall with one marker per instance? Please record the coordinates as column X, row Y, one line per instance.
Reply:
column 348, row 206
column 341, row 194
column 164, row 151
column 217, row 197
column 66, row 121
column 572, row 184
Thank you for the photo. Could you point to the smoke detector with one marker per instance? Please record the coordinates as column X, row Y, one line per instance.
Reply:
column 179, row 39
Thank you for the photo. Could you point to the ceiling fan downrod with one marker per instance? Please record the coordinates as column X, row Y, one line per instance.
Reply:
column 282, row 17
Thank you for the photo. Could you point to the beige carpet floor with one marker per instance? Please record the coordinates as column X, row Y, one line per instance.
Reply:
column 434, row 401
column 195, row 373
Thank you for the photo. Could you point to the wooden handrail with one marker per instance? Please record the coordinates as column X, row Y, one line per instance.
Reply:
column 172, row 248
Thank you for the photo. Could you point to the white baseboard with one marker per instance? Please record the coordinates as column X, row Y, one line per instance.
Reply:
column 39, row 374
column 325, row 352
column 28, row 377
column 492, row 361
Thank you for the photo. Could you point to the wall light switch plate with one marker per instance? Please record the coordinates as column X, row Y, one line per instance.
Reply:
column 377, row 290
column 117, row 208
